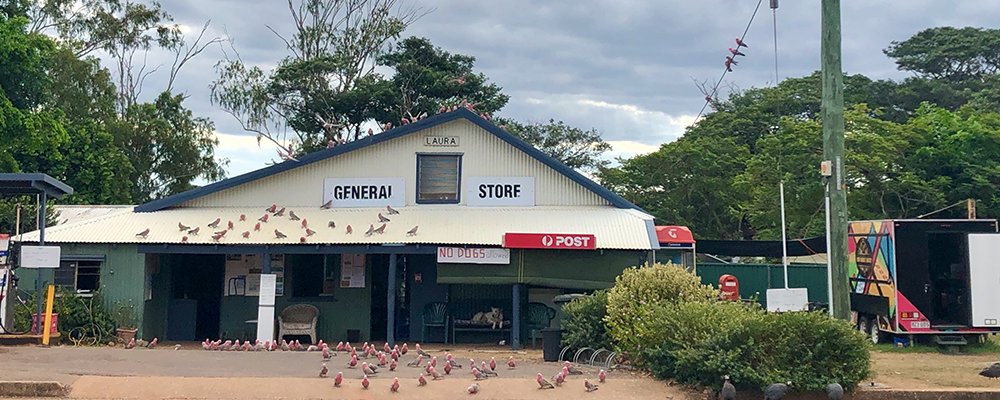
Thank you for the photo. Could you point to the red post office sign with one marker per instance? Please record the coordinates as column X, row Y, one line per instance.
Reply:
column 570, row 241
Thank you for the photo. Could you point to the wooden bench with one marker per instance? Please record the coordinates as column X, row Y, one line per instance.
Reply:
column 463, row 311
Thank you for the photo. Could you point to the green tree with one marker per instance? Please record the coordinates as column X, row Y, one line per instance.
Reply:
column 575, row 147
column 952, row 54
column 168, row 147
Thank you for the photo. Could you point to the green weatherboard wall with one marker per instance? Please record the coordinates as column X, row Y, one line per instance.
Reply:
column 570, row 269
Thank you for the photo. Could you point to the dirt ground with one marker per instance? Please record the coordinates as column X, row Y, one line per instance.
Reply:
column 932, row 370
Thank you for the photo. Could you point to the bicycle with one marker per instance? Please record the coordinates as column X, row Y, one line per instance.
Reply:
column 20, row 300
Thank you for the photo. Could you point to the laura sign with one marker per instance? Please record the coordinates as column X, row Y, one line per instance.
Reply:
column 473, row 255
column 549, row 241
column 500, row 191
column 364, row 192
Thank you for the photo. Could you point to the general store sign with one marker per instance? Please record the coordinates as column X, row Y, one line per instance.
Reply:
column 549, row 241
column 462, row 255
column 500, row 191
column 364, row 192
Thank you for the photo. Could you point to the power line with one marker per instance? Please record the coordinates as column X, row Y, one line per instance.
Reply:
column 715, row 89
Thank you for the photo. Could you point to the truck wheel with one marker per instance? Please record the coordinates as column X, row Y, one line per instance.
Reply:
column 873, row 332
column 863, row 323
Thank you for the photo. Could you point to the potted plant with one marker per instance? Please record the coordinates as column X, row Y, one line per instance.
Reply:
column 125, row 320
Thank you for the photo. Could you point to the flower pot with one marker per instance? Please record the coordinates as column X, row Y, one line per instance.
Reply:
column 126, row 335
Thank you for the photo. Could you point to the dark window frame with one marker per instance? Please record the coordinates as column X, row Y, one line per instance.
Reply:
column 93, row 266
column 458, row 180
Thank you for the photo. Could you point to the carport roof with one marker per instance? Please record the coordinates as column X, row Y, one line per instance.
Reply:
column 33, row 183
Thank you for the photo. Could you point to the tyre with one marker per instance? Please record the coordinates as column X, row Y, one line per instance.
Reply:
column 863, row 323
column 874, row 334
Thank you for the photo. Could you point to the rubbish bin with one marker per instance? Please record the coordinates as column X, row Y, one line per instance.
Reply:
column 551, row 344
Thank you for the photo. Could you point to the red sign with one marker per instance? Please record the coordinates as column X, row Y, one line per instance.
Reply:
column 674, row 234
column 549, row 241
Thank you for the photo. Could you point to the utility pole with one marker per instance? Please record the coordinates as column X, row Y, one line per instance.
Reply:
column 832, row 111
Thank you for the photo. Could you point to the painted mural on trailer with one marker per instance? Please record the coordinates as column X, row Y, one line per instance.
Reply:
column 870, row 262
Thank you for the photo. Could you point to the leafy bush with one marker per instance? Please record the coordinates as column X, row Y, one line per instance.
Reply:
column 74, row 311
column 583, row 322
column 638, row 290
column 703, row 342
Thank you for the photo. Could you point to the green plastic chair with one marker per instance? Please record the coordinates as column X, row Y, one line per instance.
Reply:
column 435, row 315
column 539, row 317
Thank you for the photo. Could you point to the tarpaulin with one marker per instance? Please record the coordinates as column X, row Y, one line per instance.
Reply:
column 762, row 248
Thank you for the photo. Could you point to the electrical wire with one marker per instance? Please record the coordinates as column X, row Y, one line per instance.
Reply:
column 715, row 89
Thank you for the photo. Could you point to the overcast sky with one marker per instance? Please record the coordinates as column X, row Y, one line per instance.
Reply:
column 624, row 67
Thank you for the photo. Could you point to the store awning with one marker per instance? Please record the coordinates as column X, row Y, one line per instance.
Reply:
column 613, row 228
column 674, row 236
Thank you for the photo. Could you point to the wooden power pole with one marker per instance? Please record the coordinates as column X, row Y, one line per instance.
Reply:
column 832, row 111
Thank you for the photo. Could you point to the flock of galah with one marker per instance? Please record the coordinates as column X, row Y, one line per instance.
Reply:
column 731, row 60
column 274, row 211
column 388, row 358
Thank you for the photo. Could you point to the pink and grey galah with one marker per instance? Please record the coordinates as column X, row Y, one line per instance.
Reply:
column 280, row 212
column 323, row 371
column 559, row 378
column 310, row 232
column 229, row 225
column 382, row 218
column 338, row 379
column 365, row 382
column 447, row 368
column 736, row 52
column 589, row 386
column 473, row 388
column 354, row 361
column 403, row 350
column 182, row 227
column 340, row 346
column 278, row 234
column 326, row 353
column 243, row 217
column 305, row 223
column 511, row 364
column 542, row 383
column 395, row 385
column 292, row 216
column 264, row 218
column 271, row 208
column 434, row 374
column 478, row 374
column 131, row 344
column 740, row 43
column 152, row 344
column 380, row 230
column 194, row 231
column 416, row 362
column 392, row 365
column 143, row 234
column 601, row 376
column 421, row 381
column 493, row 364
column 215, row 224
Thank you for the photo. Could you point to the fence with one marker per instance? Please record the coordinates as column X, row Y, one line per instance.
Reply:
column 755, row 279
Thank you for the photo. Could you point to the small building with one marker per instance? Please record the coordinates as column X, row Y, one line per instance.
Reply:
column 407, row 233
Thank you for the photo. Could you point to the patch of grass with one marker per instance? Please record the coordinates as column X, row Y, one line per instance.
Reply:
column 889, row 348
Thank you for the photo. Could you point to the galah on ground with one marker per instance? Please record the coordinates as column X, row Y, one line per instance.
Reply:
column 493, row 364
column 380, row 230
column 206, row 345
column 740, row 43
column 274, row 345
column 428, row 368
column 271, row 208
column 182, row 227
column 416, row 362
column 589, row 386
column 229, row 225
column 421, row 351
column 484, row 371
column 243, row 217
column 279, row 235
column 382, row 359
column 569, row 367
column 559, row 378
column 323, row 371
column 246, row 234
column 371, row 229
column 365, row 382
column 601, row 376
column 454, row 363
column 394, row 355
column 367, row 369
column 421, row 381
column 280, row 212
column 292, row 216
column 392, row 365
column 382, row 218
column 152, row 344
column 477, row 374
column 354, row 361
column 447, row 368
column 177, row 346
column 143, row 234
column 338, row 379
column 340, row 346
column 225, row 345
column 131, row 344
column 395, row 385
column 510, row 363
column 327, row 205
column 386, row 348
column 326, row 353
column 472, row 363
column 194, row 231
column 736, row 52
column 285, row 346
column 473, row 388
column 403, row 350
column 264, row 218
column 141, row 343
column 215, row 224
column 434, row 362
column 434, row 374
column 247, row 346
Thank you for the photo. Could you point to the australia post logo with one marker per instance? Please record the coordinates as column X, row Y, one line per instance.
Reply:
column 550, row 241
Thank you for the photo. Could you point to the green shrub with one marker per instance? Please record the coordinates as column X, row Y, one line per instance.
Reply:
column 707, row 341
column 74, row 311
column 583, row 322
column 637, row 290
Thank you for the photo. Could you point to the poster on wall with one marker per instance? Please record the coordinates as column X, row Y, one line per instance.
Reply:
column 352, row 271
column 242, row 276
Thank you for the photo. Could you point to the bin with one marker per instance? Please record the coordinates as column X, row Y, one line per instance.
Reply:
column 53, row 328
column 551, row 344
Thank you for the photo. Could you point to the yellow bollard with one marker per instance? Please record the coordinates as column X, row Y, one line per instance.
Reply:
column 48, row 314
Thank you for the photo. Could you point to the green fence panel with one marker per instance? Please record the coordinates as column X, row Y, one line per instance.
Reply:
column 755, row 279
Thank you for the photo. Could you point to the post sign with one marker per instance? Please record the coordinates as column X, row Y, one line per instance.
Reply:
column 568, row 241
column 364, row 192
column 500, row 191
column 40, row 256
column 461, row 255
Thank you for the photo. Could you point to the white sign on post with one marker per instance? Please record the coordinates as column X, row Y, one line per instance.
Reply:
column 794, row 299
column 364, row 192
column 500, row 191
column 4, row 246
column 265, row 307
column 461, row 255
column 40, row 256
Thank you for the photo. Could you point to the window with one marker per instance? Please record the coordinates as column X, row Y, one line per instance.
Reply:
column 84, row 276
column 438, row 178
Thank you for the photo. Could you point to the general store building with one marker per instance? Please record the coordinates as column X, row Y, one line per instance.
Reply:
column 448, row 216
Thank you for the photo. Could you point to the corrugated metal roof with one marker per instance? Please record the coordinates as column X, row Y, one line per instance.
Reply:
column 614, row 228
column 67, row 214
